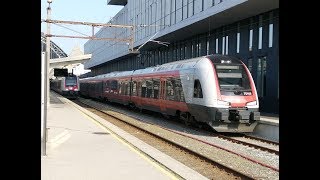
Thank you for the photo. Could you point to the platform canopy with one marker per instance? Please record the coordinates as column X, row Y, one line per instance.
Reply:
column 75, row 58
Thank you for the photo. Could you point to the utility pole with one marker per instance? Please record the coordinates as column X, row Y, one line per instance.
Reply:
column 45, row 96
column 48, row 50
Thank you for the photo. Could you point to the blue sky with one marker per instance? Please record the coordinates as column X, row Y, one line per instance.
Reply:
column 96, row 11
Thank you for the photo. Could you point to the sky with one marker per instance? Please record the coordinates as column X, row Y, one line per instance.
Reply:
column 95, row 11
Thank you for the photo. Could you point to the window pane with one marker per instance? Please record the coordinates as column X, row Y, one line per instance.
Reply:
column 156, row 84
column 270, row 35
column 223, row 44
column 217, row 45
column 233, row 79
column 227, row 45
column 260, row 38
column 71, row 81
column 197, row 91
column 261, row 76
column 250, row 39
column 149, row 88
column 143, row 88
column 178, row 91
column 134, row 88
column 238, row 42
column 169, row 90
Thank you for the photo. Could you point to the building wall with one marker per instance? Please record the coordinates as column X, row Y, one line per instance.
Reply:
column 164, row 16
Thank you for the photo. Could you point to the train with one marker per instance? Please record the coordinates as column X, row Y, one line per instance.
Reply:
column 217, row 90
column 67, row 86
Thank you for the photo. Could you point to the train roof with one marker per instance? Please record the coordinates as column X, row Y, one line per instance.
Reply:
column 57, row 78
column 218, row 58
column 171, row 66
column 186, row 64
column 112, row 74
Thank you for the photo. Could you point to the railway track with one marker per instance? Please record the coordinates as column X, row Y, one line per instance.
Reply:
column 244, row 139
column 251, row 141
column 202, row 157
column 260, row 139
column 256, row 144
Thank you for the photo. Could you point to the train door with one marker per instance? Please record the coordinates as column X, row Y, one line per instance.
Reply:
column 135, row 92
column 162, row 97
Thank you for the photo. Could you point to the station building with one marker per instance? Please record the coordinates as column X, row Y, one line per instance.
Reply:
column 172, row 30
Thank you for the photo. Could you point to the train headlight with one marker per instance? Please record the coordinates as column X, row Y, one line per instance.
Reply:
column 253, row 103
column 224, row 103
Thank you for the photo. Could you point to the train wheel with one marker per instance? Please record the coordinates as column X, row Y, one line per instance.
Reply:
column 106, row 100
column 132, row 106
column 186, row 118
column 166, row 116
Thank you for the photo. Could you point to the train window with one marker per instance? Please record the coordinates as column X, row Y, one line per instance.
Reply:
column 139, row 89
column 156, row 84
column 143, row 88
column 118, row 86
column 134, row 88
column 114, row 85
column 232, row 78
column 197, row 91
column 108, row 84
column 178, row 91
column 170, row 89
column 149, row 88
column 91, row 87
column 121, row 88
column 127, row 88
column 71, row 81
column 99, row 87
column 124, row 88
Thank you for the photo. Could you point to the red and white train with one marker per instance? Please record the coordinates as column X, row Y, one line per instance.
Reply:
column 214, row 89
column 67, row 86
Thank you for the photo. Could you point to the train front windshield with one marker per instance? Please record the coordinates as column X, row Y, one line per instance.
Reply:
column 233, row 78
column 71, row 81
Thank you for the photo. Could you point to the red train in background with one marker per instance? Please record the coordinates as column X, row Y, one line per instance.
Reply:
column 216, row 89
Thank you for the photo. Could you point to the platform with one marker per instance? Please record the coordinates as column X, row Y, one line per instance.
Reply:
column 81, row 145
column 268, row 127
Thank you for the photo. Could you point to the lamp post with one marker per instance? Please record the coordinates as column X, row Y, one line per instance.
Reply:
column 45, row 101
column 48, row 49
